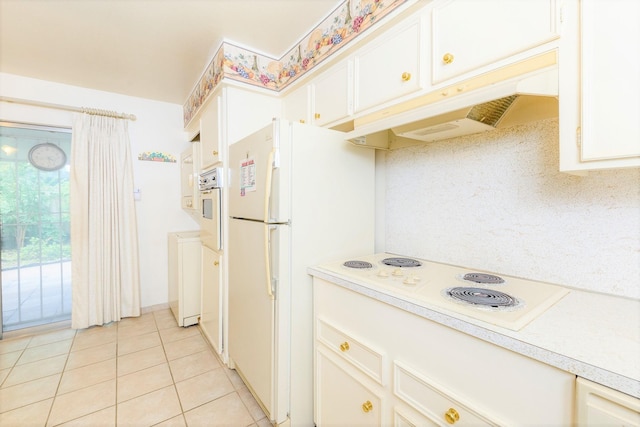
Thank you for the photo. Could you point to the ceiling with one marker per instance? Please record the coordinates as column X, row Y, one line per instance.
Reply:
column 155, row 49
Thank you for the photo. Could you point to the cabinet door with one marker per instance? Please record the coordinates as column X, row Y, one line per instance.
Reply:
column 599, row 86
column 296, row 105
column 210, row 133
column 332, row 94
column 186, row 172
column 246, row 111
column 610, row 79
column 341, row 398
column 211, row 312
column 600, row 406
column 390, row 66
column 468, row 34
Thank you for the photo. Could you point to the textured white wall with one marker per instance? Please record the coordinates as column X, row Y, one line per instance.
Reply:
column 496, row 201
column 158, row 128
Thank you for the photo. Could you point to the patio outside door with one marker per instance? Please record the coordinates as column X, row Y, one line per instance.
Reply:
column 34, row 225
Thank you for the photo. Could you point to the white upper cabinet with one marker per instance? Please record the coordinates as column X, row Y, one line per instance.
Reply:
column 245, row 111
column 469, row 34
column 231, row 114
column 332, row 94
column 600, row 86
column 210, row 133
column 610, row 79
column 391, row 65
column 296, row 105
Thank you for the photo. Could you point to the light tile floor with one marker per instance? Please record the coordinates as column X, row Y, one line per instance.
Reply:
column 143, row 371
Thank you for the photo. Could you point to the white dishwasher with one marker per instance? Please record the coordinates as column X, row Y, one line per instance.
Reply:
column 184, row 276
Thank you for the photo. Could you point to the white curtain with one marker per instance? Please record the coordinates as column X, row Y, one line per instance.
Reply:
column 104, row 239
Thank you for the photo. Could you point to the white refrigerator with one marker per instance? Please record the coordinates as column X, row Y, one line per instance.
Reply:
column 299, row 195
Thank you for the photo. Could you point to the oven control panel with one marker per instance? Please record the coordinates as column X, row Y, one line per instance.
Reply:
column 210, row 179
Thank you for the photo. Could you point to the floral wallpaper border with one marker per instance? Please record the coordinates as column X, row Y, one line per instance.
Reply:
column 157, row 156
column 344, row 24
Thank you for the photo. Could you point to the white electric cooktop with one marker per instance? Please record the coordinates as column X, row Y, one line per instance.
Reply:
column 501, row 300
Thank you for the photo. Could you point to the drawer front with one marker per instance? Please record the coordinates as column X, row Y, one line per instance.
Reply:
column 402, row 419
column 432, row 400
column 364, row 358
column 343, row 397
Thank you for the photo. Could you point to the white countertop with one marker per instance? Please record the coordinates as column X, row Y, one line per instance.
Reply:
column 591, row 335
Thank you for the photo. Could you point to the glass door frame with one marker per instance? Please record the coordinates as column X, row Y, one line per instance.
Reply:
column 32, row 126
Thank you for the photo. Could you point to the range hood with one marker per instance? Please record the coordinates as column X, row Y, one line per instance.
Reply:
column 461, row 110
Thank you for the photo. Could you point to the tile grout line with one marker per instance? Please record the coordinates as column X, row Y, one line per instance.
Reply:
column 64, row 368
column 13, row 366
column 157, row 330
column 173, row 380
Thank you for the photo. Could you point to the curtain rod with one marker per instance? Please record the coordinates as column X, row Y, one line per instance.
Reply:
column 92, row 111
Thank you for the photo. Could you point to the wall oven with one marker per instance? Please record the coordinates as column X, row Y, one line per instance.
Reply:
column 210, row 208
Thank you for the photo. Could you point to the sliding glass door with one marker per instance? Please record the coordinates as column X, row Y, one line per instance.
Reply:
column 34, row 224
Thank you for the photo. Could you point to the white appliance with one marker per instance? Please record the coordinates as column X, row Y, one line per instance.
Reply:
column 298, row 195
column 501, row 300
column 184, row 276
column 210, row 183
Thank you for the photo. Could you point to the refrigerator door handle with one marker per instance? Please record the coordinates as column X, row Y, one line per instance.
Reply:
column 267, row 255
column 267, row 192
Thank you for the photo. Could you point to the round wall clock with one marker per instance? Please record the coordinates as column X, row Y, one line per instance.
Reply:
column 47, row 157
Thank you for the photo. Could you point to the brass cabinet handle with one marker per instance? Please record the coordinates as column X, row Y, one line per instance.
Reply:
column 216, row 263
column 367, row 406
column 317, row 115
column 447, row 58
column 451, row 416
column 302, row 121
column 215, row 153
column 344, row 346
column 406, row 76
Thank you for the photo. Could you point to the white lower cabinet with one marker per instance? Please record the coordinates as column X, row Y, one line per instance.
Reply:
column 184, row 276
column 211, row 311
column 415, row 372
column 344, row 396
column 598, row 405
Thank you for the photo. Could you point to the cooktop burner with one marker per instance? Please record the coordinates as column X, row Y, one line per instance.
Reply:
column 449, row 288
column 484, row 278
column 482, row 297
column 358, row 264
column 401, row 262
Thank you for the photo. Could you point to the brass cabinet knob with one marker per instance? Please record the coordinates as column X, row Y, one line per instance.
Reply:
column 302, row 121
column 344, row 346
column 367, row 406
column 215, row 153
column 317, row 115
column 216, row 263
column 451, row 416
column 406, row 76
column 447, row 58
